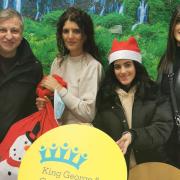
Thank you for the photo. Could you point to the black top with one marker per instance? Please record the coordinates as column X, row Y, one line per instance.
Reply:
column 19, row 77
column 173, row 148
column 5, row 66
column 176, row 68
column 151, row 122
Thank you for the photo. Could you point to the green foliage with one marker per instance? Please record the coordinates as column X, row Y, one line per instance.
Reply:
column 42, row 40
column 45, row 50
column 152, row 37
column 152, row 41
column 131, row 8
column 103, row 39
column 159, row 11
column 51, row 18
column 37, row 29
column 113, row 19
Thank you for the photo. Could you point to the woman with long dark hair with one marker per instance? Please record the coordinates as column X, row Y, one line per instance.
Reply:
column 169, row 67
column 78, row 64
column 130, row 108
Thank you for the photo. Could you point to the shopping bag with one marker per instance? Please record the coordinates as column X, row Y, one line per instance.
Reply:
column 23, row 133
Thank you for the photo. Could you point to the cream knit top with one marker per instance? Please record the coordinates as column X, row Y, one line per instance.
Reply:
column 83, row 75
column 127, row 101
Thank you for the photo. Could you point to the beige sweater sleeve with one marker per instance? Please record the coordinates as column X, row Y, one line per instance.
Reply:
column 83, row 107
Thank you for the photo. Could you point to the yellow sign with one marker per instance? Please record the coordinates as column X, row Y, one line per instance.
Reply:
column 73, row 152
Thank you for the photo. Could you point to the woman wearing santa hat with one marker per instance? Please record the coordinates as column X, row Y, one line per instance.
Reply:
column 130, row 109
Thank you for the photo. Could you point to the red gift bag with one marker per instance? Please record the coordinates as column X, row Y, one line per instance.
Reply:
column 23, row 133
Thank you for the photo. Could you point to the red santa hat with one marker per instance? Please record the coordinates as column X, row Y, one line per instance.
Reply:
column 125, row 50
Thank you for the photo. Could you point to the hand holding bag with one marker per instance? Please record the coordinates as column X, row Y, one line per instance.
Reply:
column 23, row 133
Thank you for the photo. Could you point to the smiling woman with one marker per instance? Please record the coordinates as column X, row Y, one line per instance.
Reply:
column 124, row 71
column 78, row 64
column 73, row 38
column 130, row 108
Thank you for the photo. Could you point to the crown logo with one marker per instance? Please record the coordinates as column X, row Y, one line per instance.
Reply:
column 63, row 154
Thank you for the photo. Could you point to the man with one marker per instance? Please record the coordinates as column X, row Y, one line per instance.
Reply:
column 20, row 72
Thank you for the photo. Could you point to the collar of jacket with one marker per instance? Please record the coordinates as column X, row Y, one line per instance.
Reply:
column 24, row 53
column 24, row 62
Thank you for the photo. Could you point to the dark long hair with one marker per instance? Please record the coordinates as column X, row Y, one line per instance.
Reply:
column 84, row 21
column 146, row 88
column 169, row 55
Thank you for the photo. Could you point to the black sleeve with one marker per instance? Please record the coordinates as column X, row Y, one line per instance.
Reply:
column 158, row 132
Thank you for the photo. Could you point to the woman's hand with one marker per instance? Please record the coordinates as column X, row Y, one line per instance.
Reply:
column 124, row 142
column 40, row 102
column 50, row 83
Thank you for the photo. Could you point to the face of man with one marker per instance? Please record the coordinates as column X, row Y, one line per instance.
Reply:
column 10, row 36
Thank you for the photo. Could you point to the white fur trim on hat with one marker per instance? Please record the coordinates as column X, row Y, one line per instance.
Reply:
column 125, row 54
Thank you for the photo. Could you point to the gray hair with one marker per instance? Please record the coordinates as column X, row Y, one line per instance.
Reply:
column 9, row 13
